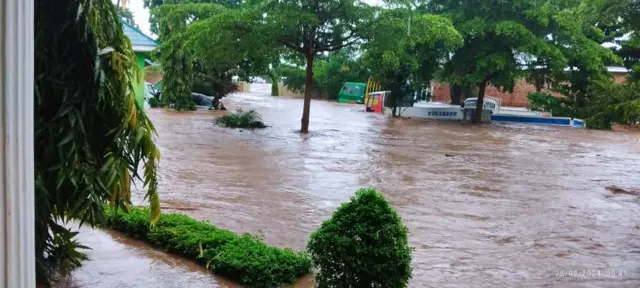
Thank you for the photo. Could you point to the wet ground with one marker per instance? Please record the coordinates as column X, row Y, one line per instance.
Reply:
column 486, row 206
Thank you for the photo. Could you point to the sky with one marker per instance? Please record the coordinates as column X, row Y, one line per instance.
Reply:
column 141, row 15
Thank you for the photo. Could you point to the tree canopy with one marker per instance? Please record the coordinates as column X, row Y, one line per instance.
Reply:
column 406, row 48
column 260, row 32
column 405, row 45
column 127, row 16
column 501, row 39
column 329, row 73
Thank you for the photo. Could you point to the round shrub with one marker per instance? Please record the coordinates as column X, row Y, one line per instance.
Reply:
column 241, row 119
column 364, row 244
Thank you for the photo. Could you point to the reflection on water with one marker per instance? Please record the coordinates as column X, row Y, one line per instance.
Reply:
column 486, row 206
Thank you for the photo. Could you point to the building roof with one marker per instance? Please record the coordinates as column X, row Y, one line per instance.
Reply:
column 140, row 41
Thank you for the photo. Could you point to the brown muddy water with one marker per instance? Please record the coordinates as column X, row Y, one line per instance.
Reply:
column 499, row 205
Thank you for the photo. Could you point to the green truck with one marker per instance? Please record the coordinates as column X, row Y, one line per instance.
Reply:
column 352, row 92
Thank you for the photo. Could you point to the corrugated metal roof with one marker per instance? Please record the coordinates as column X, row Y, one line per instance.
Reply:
column 139, row 40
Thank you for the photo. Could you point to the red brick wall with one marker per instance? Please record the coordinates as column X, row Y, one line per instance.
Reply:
column 441, row 92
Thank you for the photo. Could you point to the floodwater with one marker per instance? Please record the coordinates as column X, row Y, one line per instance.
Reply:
column 496, row 205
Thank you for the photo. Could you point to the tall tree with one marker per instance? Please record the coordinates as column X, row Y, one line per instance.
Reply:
column 406, row 48
column 580, row 28
column 311, row 28
column 622, row 22
column 153, row 18
column 501, row 38
column 176, row 57
column 307, row 28
column 329, row 73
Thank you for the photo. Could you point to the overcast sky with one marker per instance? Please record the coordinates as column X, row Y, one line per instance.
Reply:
column 141, row 15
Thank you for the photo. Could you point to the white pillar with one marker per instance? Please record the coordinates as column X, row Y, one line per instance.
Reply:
column 17, row 255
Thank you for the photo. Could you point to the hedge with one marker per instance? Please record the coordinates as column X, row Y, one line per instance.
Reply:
column 242, row 258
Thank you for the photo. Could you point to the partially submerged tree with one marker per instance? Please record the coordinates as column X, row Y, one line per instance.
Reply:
column 580, row 29
column 313, row 27
column 307, row 28
column 90, row 136
column 197, row 53
column 176, row 57
column 405, row 49
column 329, row 73
column 501, row 38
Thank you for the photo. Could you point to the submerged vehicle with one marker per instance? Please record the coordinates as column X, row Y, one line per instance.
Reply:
column 352, row 92
column 491, row 111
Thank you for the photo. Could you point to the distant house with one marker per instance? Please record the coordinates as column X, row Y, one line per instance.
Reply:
column 142, row 46
column 517, row 98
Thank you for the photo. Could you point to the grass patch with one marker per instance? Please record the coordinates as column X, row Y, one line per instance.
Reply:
column 241, row 119
column 242, row 258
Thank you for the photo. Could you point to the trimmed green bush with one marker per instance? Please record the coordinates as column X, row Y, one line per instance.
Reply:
column 364, row 244
column 241, row 258
column 241, row 119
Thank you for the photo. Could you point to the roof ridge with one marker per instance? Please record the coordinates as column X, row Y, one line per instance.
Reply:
column 138, row 30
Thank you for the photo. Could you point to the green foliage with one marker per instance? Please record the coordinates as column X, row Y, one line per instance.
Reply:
column 91, row 136
column 153, row 18
column 154, row 102
column 558, row 106
column 244, row 258
column 241, row 119
column 615, row 103
column 261, row 31
column 191, row 62
column 127, row 16
column 620, row 18
column 580, row 29
column 405, row 61
column 329, row 73
column 501, row 39
column 215, row 81
column 364, row 244
column 176, row 56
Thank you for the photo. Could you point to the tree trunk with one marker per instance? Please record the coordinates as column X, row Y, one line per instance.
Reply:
column 274, row 89
column 308, row 86
column 455, row 94
column 480, row 103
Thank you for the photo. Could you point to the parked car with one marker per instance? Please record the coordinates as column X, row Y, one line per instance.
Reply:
column 149, row 92
column 201, row 99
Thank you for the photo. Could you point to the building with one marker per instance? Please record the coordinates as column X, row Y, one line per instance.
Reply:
column 517, row 98
column 142, row 46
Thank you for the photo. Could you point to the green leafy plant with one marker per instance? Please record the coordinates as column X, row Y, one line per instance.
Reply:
column 617, row 103
column 242, row 258
column 558, row 106
column 91, row 136
column 364, row 244
column 329, row 73
column 241, row 119
column 154, row 102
